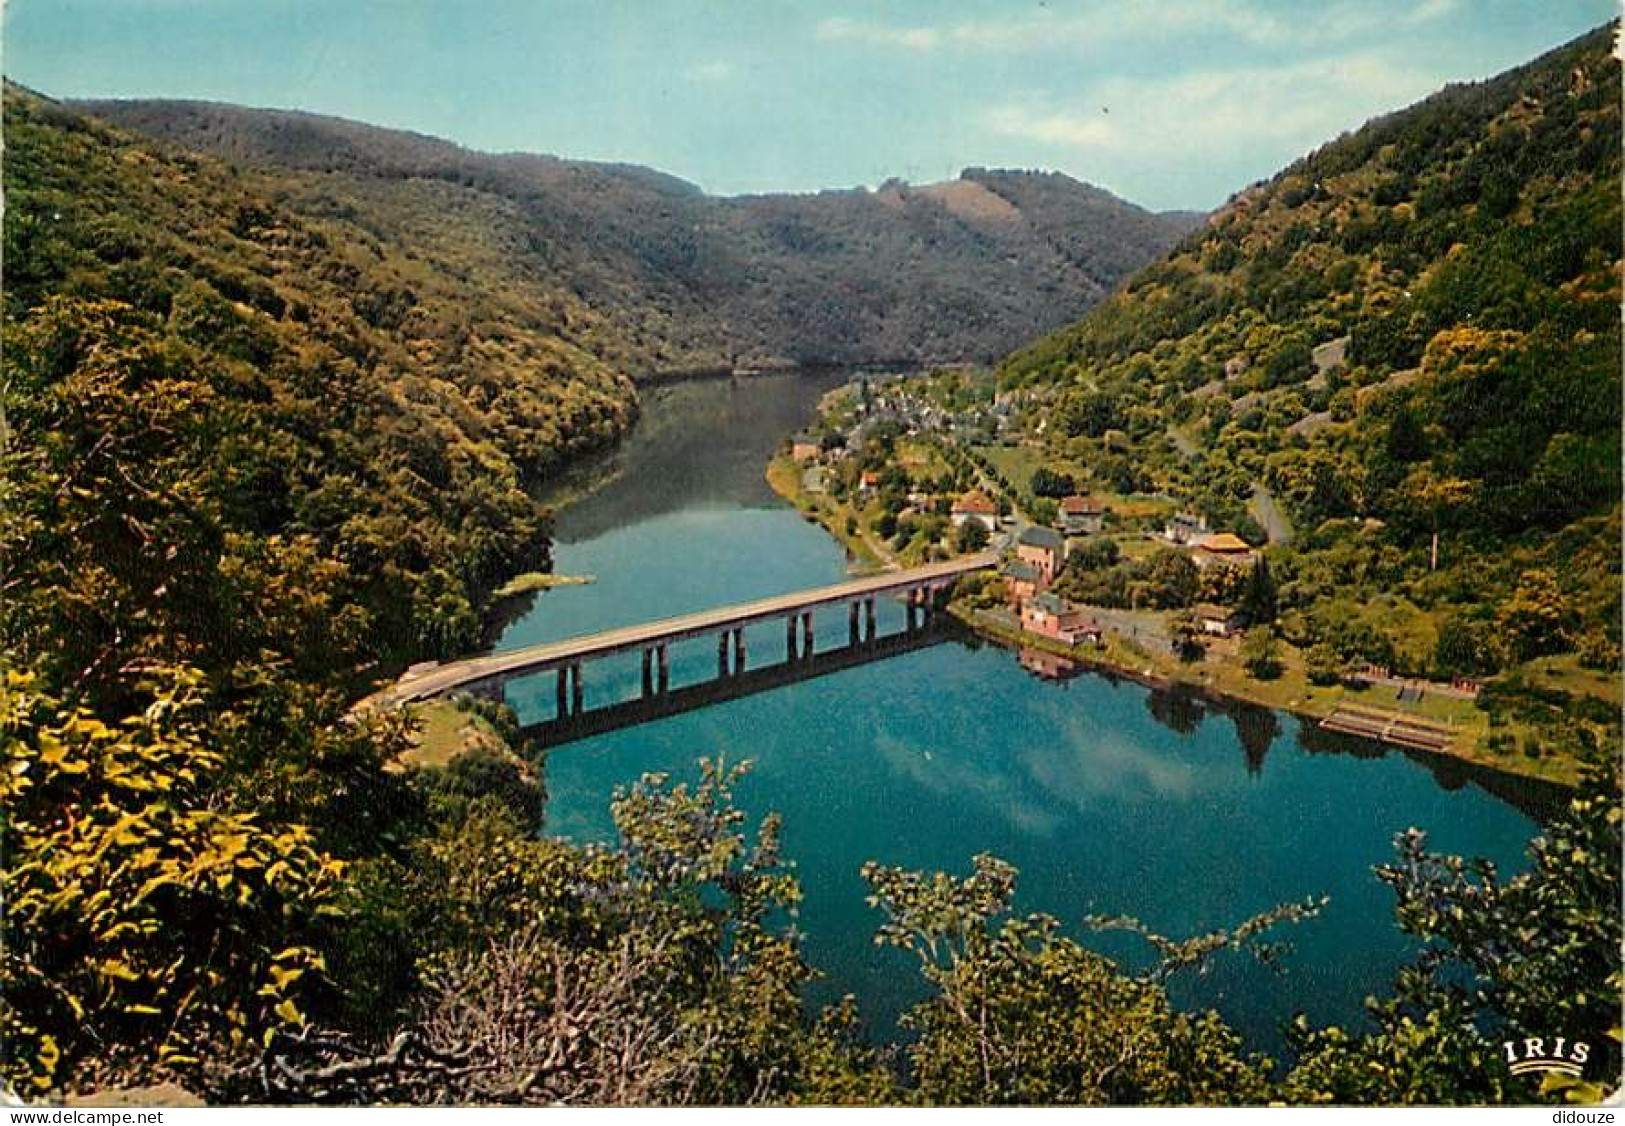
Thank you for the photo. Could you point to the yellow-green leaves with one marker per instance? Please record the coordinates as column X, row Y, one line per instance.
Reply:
column 143, row 918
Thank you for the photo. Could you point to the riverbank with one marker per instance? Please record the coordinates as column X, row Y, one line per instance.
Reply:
column 1219, row 673
column 1225, row 679
column 784, row 476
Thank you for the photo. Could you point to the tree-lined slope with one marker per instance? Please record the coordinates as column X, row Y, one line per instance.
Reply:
column 1413, row 330
column 689, row 280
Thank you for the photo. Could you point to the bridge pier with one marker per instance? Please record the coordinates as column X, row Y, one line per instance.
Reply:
column 565, row 658
column 569, row 693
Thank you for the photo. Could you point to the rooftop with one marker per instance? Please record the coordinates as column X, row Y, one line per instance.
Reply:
column 977, row 503
column 1036, row 536
column 1082, row 506
column 1224, row 542
column 1022, row 572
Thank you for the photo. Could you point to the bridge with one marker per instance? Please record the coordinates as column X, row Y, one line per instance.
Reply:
column 617, row 715
column 488, row 675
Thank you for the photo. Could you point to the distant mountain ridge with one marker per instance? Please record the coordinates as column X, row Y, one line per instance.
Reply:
column 966, row 270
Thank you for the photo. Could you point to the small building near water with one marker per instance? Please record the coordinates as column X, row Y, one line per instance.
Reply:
column 1185, row 527
column 804, row 447
column 1049, row 616
column 1223, row 549
column 1082, row 516
column 1220, row 621
column 1044, row 548
column 978, row 506
column 1022, row 581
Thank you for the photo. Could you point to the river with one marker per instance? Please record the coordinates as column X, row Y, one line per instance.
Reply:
column 1108, row 797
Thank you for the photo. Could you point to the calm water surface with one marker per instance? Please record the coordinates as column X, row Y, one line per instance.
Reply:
column 1108, row 797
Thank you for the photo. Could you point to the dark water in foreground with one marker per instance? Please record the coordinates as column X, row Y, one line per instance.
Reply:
column 1108, row 797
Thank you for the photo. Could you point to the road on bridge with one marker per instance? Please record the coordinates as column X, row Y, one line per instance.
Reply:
column 438, row 680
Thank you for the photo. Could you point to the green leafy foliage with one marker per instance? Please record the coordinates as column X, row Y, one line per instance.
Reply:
column 1410, row 341
column 1024, row 1016
column 148, row 933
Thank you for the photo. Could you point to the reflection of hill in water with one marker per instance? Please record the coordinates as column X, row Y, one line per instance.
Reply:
column 1183, row 710
column 699, row 442
column 1538, row 799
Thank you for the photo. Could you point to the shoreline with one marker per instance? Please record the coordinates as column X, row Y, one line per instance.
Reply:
column 1305, row 701
column 1151, row 675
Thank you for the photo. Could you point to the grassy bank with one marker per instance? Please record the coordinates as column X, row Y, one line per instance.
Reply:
column 784, row 476
column 1220, row 673
column 533, row 581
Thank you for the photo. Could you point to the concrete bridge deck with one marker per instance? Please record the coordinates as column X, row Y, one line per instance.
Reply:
column 488, row 673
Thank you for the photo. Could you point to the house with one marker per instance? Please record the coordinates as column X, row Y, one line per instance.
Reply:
column 1220, row 621
column 1082, row 516
column 1043, row 548
column 1022, row 581
column 1185, row 527
column 975, row 505
column 1049, row 616
column 1222, row 549
column 804, row 447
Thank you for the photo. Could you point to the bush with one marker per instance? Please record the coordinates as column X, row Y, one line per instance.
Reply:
column 1261, row 653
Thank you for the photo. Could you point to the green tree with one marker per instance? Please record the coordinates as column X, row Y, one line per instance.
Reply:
column 1023, row 1016
column 1259, row 596
column 1171, row 580
column 1536, row 955
column 1185, row 632
column 149, row 932
column 1466, row 646
column 1047, row 482
column 1261, row 653
column 1537, row 616
column 971, row 537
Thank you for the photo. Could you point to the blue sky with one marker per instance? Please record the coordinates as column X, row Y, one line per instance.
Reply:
column 1170, row 103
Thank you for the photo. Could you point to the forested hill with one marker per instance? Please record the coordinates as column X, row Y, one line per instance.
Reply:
column 963, row 270
column 244, row 432
column 1412, row 330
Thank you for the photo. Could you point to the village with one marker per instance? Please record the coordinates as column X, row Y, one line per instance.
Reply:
column 906, row 472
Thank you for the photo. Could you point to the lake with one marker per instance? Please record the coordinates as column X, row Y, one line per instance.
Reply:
column 1109, row 798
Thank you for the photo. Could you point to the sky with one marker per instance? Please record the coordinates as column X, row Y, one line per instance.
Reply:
column 1168, row 103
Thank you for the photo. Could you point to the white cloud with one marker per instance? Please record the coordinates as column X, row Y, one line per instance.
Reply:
column 877, row 35
column 1128, row 21
column 1429, row 10
column 1210, row 113
column 1061, row 129
column 715, row 71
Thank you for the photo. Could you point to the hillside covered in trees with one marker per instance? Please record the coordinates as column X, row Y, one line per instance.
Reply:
column 1410, row 339
column 964, row 270
column 258, row 444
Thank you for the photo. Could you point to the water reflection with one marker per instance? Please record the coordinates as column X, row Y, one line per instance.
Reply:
column 1107, row 796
